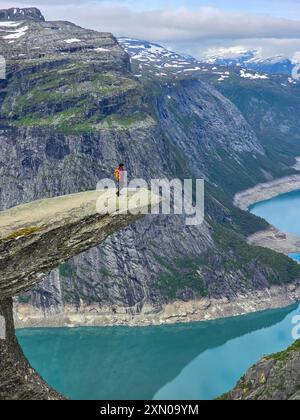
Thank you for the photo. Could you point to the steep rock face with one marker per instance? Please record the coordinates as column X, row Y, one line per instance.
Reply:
column 41, row 235
column 271, row 106
column 204, row 111
column 29, row 13
column 211, row 133
column 36, row 238
column 18, row 381
column 275, row 377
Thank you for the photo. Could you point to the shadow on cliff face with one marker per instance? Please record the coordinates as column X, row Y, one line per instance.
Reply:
column 130, row 363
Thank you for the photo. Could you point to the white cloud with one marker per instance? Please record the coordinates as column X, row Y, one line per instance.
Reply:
column 296, row 57
column 182, row 24
column 169, row 24
column 181, row 27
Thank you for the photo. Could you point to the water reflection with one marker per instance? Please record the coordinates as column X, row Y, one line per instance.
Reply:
column 199, row 360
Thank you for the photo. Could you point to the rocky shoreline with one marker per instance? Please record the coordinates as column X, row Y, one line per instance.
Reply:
column 268, row 190
column 178, row 312
column 272, row 238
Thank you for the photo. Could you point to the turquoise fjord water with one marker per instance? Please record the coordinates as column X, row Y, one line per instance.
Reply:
column 195, row 361
column 283, row 212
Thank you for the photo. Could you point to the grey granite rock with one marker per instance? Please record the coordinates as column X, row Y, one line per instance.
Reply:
column 36, row 238
column 15, row 13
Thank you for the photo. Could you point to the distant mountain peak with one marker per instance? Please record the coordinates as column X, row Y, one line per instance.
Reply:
column 158, row 59
column 15, row 13
column 236, row 55
column 249, row 58
column 146, row 50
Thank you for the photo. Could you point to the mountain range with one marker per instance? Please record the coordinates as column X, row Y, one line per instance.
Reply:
column 250, row 59
column 237, row 58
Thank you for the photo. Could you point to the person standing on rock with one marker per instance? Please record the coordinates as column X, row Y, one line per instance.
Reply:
column 120, row 177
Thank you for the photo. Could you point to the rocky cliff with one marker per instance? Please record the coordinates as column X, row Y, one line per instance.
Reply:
column 36, row 238
column 30, row 13
column 71, row 110
column 275, row 377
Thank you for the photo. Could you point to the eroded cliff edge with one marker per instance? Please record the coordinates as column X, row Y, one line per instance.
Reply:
column 34, row 239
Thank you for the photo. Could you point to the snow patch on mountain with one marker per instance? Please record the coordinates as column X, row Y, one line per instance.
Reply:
column 153, row 59
column 101, row 49
column 12, row 34
column 10, row 24
column 143, row 49
column 252, row 76
column 154, row 55
column 72, row 40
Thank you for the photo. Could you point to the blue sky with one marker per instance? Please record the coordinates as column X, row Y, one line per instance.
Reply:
column 190, row 26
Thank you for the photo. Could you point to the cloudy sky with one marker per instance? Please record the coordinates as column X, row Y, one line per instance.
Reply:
column 190, row 26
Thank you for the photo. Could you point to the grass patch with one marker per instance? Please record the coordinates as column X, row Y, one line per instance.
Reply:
column 283, row 356
column 71, row 98
column 182, row 275
column 22, row 233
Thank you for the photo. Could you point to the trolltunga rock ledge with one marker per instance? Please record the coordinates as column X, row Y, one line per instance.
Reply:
column 36, row 238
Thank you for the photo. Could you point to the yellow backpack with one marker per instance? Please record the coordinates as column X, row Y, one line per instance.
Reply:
column 117, row 174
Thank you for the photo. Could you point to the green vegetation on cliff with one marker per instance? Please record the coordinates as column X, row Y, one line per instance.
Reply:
column 284, row 356
column 231, row 258
column 279, row 268
column 73, row 98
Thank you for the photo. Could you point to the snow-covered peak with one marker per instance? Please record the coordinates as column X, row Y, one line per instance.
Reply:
column 159, row 60
column 138, row 49
column 251, row 59
column 276, row 59
column 153, row 60
column 229, row 56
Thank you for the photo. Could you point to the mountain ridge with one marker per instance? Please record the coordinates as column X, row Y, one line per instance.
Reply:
column 250, row 59
column 236, row 58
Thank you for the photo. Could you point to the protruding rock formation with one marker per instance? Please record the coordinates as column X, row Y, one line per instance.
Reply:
column 28, row 13
column 34, row 239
